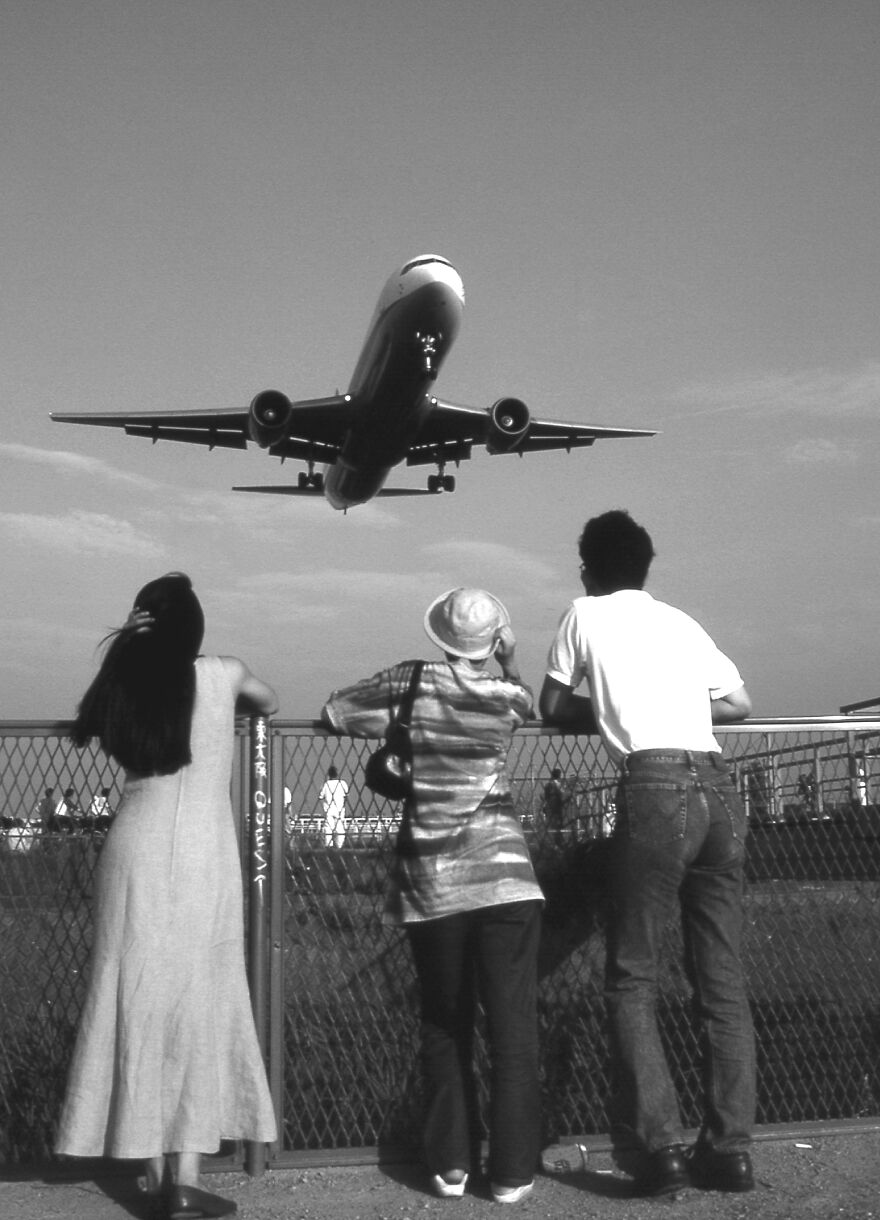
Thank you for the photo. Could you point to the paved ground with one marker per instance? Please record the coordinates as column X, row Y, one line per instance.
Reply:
column 829, row 1177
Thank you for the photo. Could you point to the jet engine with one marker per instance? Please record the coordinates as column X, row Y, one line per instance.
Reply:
column 268, row 418
column 508, row 424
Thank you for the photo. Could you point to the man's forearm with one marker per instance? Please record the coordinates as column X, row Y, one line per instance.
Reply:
column 563, row 709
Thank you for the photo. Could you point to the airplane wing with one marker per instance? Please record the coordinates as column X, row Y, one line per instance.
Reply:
column 315, row 431
column 452, row 430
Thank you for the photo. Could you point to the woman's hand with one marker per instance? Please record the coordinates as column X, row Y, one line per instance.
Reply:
column 505, row 645
column 138, row 622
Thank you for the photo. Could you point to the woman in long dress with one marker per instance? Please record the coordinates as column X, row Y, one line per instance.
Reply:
column 167, row 1062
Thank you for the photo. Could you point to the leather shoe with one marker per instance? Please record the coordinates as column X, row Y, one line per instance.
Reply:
column 191, row 1203
column 713, row 1170
column 665, row 1172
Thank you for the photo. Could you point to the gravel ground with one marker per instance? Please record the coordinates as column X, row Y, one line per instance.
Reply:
column 829, row 1177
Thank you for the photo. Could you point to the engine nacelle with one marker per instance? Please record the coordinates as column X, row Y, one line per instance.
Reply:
column 508, row 424
column 268, row 418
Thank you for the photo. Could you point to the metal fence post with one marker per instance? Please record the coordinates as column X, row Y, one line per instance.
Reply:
column 258, row 898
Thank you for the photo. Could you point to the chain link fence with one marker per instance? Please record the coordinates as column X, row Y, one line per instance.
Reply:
column 337, row 1009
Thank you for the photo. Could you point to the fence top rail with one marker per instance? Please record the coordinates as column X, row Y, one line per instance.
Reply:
column 836, row 724
column 63, row 728
column 315, row 728
column 767, row 724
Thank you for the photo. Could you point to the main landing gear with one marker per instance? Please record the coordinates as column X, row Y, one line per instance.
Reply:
column 304, row 481
column 441, row 482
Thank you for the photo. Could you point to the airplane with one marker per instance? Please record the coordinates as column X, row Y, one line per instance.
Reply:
column 389, row 414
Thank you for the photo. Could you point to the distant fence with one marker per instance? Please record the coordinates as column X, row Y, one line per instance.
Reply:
column 334, row 990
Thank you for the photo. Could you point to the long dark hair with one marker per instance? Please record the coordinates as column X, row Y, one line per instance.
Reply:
column 140, row 704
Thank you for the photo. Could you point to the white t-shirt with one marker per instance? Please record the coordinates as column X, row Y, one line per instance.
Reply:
column 333, row 795
column 651, row 669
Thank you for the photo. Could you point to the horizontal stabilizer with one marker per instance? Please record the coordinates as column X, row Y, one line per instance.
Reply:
column 287, row 489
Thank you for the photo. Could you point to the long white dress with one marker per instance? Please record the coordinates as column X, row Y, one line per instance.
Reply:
column 166, row 1057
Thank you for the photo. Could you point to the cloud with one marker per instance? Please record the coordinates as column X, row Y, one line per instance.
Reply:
column 479, row 552
column 816, row 392
column 384, row 597
column 322, row 595
column 818, row 451
column 490, row 565
column 222, row 506
column 79, row 533
column 62, row 461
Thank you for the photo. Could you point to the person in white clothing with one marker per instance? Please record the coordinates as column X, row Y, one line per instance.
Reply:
column 332, row 797
column 657, row 683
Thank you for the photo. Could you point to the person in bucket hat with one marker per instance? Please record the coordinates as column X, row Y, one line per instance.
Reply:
column 463, row 886
column 466, row 623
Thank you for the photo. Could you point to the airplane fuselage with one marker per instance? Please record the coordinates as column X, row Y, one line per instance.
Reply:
column 412, row 329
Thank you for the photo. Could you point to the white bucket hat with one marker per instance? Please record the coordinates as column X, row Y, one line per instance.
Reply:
column 466, row 622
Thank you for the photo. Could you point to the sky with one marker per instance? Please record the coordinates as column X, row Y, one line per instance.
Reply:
column 665, row 216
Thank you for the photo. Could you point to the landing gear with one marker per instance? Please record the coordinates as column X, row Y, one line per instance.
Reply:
column 441, row 482
column 305, row 481
column 428, row 344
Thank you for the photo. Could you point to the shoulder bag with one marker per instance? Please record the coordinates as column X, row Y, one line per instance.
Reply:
column 388, row 770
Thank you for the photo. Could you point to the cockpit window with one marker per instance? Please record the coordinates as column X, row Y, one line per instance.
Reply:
column 420, row 262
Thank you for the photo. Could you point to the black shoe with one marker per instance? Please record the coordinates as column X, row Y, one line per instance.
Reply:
column 191, row 1203
column 665, row 1172
column 711, row 1170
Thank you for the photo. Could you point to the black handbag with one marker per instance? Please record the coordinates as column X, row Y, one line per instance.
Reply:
column 388, row 770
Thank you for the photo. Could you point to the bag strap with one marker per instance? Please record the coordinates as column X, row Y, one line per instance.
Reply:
column 406, row 704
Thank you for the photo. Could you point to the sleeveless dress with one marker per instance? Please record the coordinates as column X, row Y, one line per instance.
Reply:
column 166, row 1057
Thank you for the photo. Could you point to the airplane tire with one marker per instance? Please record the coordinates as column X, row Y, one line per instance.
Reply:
column 318, row 482
column 433, row 482
column 449, row 482
column 302, row 480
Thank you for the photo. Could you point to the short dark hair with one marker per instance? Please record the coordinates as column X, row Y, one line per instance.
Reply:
column 616, row 551
column 140, row 703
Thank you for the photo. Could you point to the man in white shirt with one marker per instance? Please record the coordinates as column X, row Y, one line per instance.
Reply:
column 657, row 683
column 333, row 794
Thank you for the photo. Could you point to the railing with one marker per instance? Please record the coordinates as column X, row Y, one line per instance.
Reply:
column 333, row 987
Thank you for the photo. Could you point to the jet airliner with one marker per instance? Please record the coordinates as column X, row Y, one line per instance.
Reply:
column 389, row 414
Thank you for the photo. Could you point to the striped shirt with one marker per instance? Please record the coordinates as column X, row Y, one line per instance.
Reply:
column 466, row 849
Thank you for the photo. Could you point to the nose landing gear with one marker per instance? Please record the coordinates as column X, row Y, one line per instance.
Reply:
column 428, row 344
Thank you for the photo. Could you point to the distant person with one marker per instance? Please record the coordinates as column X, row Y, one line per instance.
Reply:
column 464, row 887
column 100, row 812
column 167, row 1062
column 808, row 794
column 44, row 811
column 67, row 812
column 657, row 683
column 332, row 796
column 554, row 807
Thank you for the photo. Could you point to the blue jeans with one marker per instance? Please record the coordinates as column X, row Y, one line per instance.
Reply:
column 489, row 954
column 679, row 842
